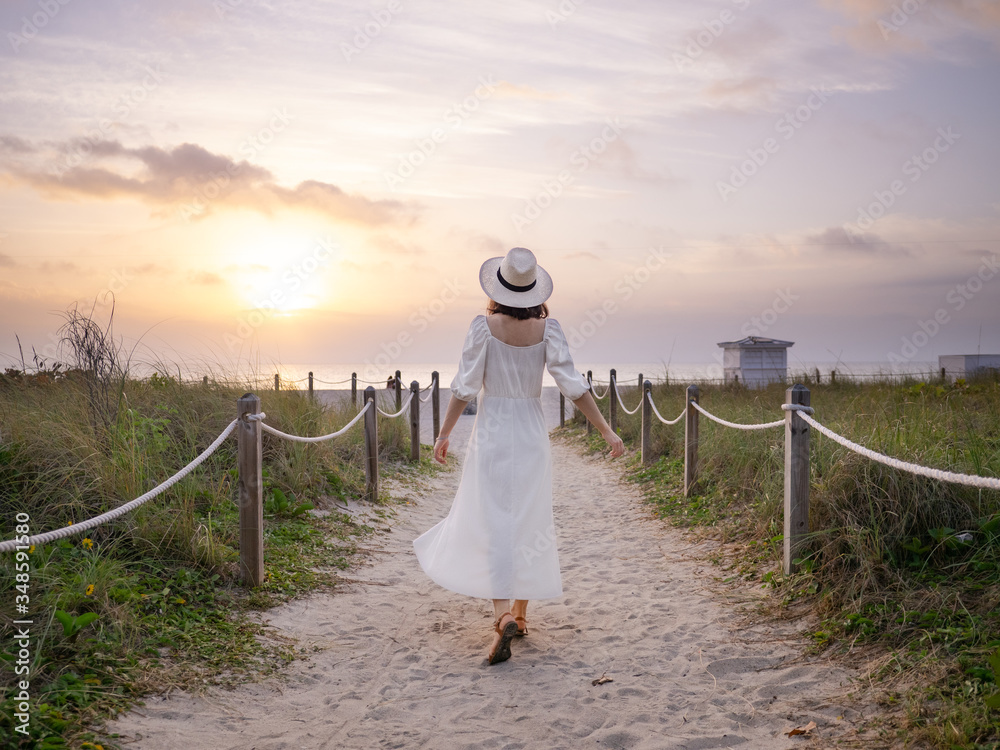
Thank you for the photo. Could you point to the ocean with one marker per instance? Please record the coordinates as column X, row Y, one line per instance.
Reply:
column 337, row 376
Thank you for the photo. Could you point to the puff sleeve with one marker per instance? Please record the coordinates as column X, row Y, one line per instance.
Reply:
column 572, row 384
column 469, row 380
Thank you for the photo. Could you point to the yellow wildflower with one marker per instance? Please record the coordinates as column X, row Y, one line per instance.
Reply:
column 31, row 549
column 90, row 589
column 88, row 543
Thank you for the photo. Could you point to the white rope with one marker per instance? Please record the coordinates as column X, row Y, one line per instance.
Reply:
column 618, row 395
column 603, row 395
column 321, row 438
column 76, row 528
column 992, row 483
column 734, row 425
column 401, row 408
column 660, row 416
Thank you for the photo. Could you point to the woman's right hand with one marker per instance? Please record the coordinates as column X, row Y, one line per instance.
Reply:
column 616, row 443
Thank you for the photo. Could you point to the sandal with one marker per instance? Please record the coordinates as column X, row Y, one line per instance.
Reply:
column 522, row 626
column 500, row 650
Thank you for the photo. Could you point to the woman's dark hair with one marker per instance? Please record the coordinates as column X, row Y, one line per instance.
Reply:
column 521, row 313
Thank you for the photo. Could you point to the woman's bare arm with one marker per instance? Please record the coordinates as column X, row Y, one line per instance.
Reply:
column 455, row 408
column 588, row 406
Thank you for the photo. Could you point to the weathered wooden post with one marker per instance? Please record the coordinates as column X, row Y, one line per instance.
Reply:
column 562, row 409
column 613, row 405
column 690, row 439
column 796, row 477
column 818, row 378
column 277, row 382
column 204, row 380
column 415, row 421
column 436, row 404
column 251, row 489
column 310, row 384
column 399, row 390
column 354, row 390
column 646, row 447
column 640, row 382
column 371, row 446
column 833, row 377
column 590, row 383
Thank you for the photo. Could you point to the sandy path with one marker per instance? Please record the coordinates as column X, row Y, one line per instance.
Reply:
column 403, row 662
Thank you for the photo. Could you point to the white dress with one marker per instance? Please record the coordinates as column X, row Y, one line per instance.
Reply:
column 498, row 540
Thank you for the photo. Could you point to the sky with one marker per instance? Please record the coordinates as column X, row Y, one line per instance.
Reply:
column 320, row 182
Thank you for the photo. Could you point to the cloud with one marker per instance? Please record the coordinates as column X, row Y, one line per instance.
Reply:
column 6, row 261
column 836, row 240
column 581, row 255
column 187, row 178
column 206, row 278
column 885, row 26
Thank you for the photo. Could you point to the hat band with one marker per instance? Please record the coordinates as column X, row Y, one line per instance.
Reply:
column 512, row 287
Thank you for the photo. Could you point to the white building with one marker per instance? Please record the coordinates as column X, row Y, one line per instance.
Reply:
column 966, row 365
column 755, row 361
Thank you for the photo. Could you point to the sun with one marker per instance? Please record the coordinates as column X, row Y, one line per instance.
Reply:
column 286, row 271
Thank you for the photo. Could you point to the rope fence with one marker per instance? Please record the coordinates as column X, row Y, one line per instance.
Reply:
column 249, row 427
column 798, row 421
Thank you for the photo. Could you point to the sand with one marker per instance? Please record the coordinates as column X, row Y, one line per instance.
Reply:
column 402, row 662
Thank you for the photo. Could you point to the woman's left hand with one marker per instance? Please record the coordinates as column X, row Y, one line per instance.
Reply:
column 441, row 449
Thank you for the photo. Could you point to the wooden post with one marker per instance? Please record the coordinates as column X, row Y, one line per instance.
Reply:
column 277, row 382
column 690, row 439
column 613, row 406
column 354, row 390
column 640, row 382
column 436, row 404
column 204, row 380
column 310, row 384
column 562, row 409
column 415, row 421
column 833, row 377
column 251, row 489
column 796, row 477
column 646, row 447
column 371, row 446
column 944, row 374
column 399, row 390
column 590, row 383
column 818, row 379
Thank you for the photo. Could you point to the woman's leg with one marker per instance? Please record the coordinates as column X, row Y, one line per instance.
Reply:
column 499, row 607
column 519, row 608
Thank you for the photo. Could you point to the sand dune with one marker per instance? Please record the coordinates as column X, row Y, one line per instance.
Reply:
column 403, row 664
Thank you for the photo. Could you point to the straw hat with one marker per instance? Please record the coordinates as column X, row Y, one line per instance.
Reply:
column 515, row 280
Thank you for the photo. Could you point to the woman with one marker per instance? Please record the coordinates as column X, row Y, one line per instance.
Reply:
column 498, row 540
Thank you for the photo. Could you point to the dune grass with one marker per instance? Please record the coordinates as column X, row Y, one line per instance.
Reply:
column 162, row 581
column 907, row 565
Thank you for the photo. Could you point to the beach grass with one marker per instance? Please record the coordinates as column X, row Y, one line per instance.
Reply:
column 151, row 600
column 903, row 566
